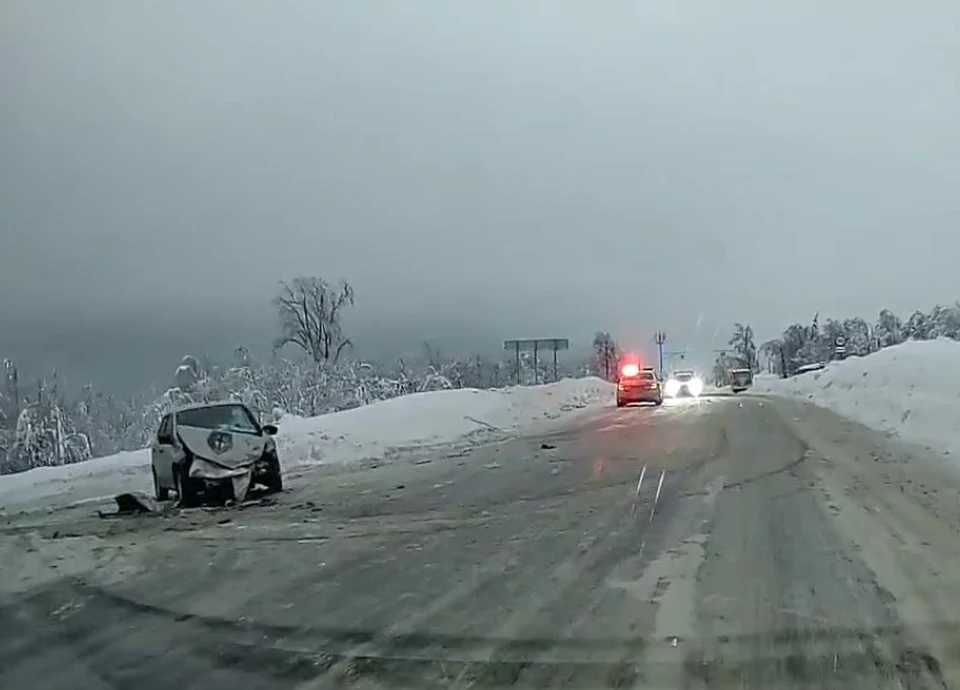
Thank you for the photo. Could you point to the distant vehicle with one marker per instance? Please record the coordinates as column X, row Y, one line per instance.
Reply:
column 684, row 384
column 636, row 384
column 219, row 447
column 740, row 379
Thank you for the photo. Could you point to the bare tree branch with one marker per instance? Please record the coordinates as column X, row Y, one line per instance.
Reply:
column 309, row 311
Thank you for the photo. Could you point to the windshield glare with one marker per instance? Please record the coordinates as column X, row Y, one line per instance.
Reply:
column 233, row 417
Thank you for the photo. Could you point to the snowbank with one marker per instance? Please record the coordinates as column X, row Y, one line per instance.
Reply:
column 366, row 432
column 911, row 391
column 434, row 418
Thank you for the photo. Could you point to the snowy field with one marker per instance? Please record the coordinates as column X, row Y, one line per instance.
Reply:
column 364, row 433
column 911, row 391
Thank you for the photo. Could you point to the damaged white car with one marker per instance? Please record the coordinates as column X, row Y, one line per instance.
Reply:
column 214, row 447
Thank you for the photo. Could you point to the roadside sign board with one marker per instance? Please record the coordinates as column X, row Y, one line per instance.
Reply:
column 530, row 344
column 536, row 345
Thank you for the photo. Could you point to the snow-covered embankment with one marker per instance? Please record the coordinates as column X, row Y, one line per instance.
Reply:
column 362, row 433
column 911, row 391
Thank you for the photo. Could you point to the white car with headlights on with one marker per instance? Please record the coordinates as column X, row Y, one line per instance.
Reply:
column 684, row 384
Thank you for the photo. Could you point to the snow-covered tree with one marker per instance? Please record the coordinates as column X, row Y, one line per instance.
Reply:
column 724, row 362
column 309, row 309
column 945, row 322
column 9, row 408
column 889, row 329
column 606, row 355
column 770, row 351
column 743, row 346
column 859, row 338
column 44, row 433
column 917, row 327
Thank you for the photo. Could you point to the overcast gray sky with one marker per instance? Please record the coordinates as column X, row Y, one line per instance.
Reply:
column 501, row 168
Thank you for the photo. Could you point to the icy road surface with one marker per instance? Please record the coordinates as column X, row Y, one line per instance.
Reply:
column 770, row 544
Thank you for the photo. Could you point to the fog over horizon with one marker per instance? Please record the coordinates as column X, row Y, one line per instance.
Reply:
column 476, row 172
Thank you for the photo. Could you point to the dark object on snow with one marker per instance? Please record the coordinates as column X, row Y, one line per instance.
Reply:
column 134, row 503
column 547, row 446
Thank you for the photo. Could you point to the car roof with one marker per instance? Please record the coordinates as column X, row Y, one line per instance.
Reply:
column 200, row 406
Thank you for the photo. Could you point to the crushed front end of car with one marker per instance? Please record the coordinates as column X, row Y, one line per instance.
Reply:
column 223, row 459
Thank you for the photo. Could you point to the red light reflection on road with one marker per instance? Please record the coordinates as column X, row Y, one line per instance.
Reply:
column 597, row 472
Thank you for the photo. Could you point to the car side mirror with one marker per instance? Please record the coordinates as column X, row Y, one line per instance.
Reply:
column 270, row 429
column 164, row 438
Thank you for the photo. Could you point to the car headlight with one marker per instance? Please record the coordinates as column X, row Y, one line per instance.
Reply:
column 672, row 387
column 695, row 386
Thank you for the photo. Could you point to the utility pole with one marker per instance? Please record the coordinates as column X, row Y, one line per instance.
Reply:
column 660, row 338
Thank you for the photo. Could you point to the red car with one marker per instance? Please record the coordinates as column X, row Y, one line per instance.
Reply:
column 635, row 385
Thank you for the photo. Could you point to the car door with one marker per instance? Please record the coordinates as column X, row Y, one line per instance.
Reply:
column 162, row 452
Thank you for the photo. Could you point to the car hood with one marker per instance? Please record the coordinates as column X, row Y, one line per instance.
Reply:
column 243, row 449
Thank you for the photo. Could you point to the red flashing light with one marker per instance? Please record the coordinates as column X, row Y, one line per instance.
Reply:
column 630, row 369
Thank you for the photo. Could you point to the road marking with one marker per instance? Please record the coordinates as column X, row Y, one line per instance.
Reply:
column 657, row 497
column 642, row 472
column 636, row 495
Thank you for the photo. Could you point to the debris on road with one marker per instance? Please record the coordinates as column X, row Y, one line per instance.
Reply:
column 547, row 446
column 134, row 503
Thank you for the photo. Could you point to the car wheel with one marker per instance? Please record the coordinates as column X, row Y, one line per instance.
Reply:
column 161, row 492
column 274, row 480
column 658, row 403
column 620, row 403
column 186, row 490
column 274, row 483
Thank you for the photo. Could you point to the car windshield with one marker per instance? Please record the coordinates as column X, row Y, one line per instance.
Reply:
column 646, row 376
column 685, row 376
column 233, row 417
